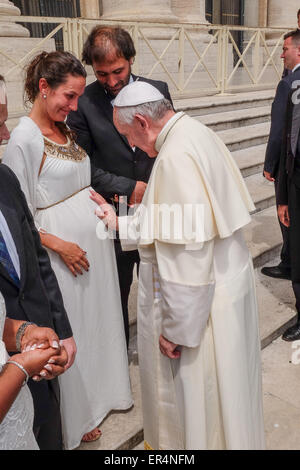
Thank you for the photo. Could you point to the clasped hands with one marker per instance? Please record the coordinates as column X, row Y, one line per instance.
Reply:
column 42, row 356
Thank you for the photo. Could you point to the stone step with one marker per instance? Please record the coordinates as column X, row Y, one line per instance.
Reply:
column 250, row 160
column 236, row 118
column 263, row 236
column 245, row 137
column 261, row 190
column 223, row 103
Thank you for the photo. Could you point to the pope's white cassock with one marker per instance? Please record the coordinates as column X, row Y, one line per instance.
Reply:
column 199, row 292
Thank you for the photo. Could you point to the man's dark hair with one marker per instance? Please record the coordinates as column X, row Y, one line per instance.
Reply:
column 102, row 39
column 295, row 35
column 298, row 14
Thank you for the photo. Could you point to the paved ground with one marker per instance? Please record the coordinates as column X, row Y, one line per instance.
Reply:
column 281, row 389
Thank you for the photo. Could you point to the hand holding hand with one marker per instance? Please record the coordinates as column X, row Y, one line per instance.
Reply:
column 38, row 337
column 167, row 348
column 35, row 360
column 55, row 366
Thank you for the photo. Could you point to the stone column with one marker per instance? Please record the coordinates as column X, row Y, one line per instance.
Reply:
column 251, row 15
column 283, row 14
column 11, row 29
column 90, row 8
column 263, row 13
column 190, row 11
column 138, row 10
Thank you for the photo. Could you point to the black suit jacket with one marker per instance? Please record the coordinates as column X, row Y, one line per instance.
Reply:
column 38, row 298
column 289, row 148
column 278, row 119
column 108, row 150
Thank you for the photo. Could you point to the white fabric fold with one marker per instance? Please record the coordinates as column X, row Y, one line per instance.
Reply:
column 24, row 157
column 185, row 312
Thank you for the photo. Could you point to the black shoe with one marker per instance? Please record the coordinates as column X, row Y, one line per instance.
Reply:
column 292, row 333
column 277, row 272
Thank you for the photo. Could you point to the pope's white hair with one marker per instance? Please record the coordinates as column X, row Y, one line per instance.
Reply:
column 155, row 110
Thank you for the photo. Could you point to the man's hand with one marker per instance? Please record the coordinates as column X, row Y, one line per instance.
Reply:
column 70, row 346
column 138, row 193
column 283, row 214
column 167, row 348
column 268, row 176
column 40, row 338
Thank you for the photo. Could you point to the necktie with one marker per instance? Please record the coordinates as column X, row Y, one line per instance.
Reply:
column 6, row 261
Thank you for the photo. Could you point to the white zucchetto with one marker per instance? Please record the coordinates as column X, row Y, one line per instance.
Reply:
column 137, row 93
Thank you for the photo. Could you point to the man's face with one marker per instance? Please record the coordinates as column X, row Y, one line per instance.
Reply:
column 290, row 54
column 137, row 134
column 113, row 74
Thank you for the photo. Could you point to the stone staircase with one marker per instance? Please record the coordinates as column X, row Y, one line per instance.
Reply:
column 242, row 121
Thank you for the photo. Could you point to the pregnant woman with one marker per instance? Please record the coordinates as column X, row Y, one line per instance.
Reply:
column 55, row 175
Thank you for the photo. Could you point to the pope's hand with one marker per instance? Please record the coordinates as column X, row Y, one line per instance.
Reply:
column 167, row 348
column 105, row 211
column 138, row 193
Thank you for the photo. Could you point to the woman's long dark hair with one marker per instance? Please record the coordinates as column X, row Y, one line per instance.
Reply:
column 55, row 68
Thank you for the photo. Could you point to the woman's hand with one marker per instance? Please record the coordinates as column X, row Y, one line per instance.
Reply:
column 38, row 337
column 105, row 211
column 35, row 360
column 73, row 256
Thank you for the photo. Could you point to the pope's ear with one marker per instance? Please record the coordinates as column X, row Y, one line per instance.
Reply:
column 141, row 121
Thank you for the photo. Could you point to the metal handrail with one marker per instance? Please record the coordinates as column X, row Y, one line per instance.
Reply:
column 234, row 68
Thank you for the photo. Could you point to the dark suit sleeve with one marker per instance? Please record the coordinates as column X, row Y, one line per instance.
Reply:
column 105, row 183
column 277, row 125
column 108, row 184
column 282, row 182
column 59, row 315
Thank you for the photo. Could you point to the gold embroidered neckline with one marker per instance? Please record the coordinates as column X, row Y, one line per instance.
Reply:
column 68, row 151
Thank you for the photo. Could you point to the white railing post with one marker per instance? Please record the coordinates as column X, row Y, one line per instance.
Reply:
column 222, row 59
column 256, row 57
column 135, row 37
column 181, row 42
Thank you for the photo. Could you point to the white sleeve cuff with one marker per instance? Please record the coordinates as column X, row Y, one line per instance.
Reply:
column 185, row 312
column 127, row 233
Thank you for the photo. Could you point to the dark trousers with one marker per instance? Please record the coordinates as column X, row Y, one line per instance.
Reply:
column 294, row 236
column 47, row 419
column 125, row 264
column 285, row 262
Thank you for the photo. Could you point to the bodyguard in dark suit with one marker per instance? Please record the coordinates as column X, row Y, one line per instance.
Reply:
column 32, row 296
column 273, row 151
column 110, row 50
column 288, row 194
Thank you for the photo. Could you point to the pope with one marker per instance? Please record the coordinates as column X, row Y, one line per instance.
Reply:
column 198, row 339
